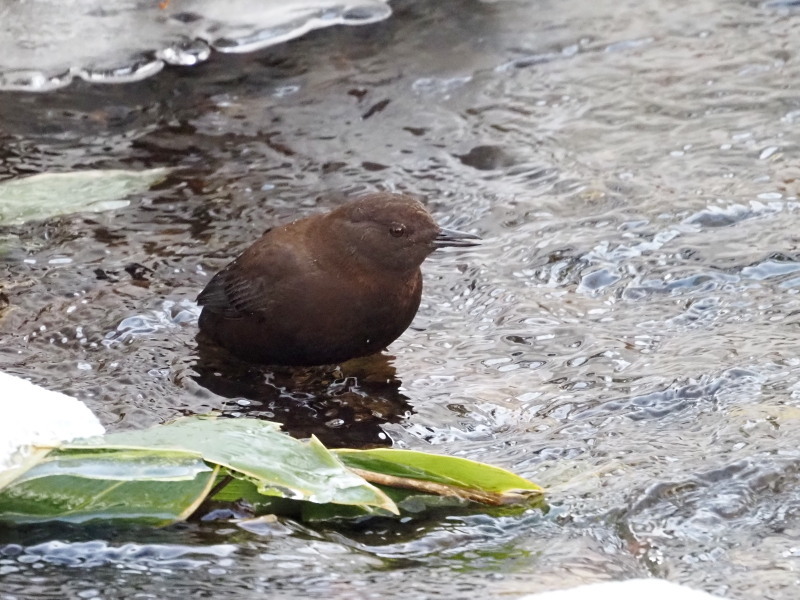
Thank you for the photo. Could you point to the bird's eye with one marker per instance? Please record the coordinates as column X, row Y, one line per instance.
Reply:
column 397, row 230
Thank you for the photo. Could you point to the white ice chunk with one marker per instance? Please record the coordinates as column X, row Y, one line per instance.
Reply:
column 128, row 41
column 34, row 416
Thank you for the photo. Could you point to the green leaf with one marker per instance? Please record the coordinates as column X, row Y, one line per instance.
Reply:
column 278, row 464
column 77, row 486
column 162, row 475
column 51, row 194
column 445, row 470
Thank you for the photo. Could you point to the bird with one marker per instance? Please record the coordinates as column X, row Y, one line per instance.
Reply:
column 329, row 287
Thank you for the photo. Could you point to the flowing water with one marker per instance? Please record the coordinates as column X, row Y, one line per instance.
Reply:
column 628, row 334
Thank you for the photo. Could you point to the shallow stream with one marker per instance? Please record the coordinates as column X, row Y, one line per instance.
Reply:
column 628, row 334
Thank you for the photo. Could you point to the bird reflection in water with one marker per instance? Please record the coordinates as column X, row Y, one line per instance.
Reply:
column 344, row 405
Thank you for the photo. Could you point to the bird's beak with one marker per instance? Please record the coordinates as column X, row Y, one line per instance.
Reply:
column 451, row 237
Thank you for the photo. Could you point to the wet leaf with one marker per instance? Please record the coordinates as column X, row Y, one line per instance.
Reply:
column 437, row 474
column 279, row 464
column 163, row 474
column 77, row 486
column 51, row 194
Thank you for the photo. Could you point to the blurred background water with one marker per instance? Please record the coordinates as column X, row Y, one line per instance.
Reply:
column 627, row 335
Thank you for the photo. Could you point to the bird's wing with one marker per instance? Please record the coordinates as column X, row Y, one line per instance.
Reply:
column 245, row 286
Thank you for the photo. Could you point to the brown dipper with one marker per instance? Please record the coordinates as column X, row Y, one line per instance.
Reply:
column 329, row 287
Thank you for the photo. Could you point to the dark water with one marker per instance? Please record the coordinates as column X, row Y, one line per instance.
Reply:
column 628, row 335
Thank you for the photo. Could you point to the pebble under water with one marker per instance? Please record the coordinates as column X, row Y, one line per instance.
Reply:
column 627, row 335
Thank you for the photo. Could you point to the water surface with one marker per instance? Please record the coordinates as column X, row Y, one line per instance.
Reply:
column 627, row 335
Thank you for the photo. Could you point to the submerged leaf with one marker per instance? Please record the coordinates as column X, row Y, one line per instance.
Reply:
column 409, row 502
column 51, row 194
column 412, row 504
